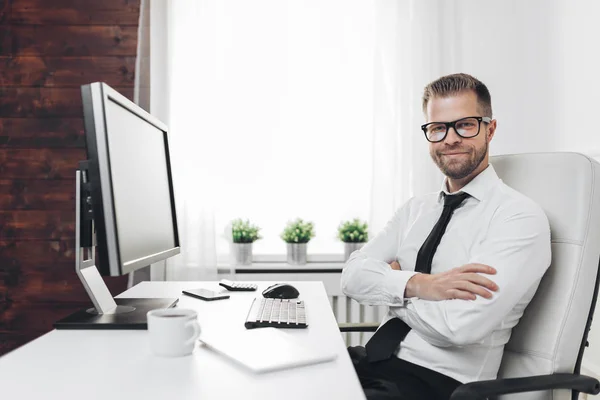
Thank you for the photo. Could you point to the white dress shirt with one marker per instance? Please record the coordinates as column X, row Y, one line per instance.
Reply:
column 496, row 226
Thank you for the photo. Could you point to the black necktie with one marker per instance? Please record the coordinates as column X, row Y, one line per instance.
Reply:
column 387, row 338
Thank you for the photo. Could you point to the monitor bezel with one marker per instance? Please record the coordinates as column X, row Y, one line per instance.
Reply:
column 95, row 97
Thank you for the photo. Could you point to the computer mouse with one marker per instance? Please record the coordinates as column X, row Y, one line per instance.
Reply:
column 281, row 291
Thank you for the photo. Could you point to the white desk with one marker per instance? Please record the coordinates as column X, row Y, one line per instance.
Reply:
column 115, row 365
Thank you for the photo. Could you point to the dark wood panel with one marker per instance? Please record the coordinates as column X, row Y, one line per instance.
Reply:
column 11, row 341
column 41, row 255
column 50, row 260
column 48, row 48
column 28, row 194
column 40, row 163
column 22, row 225
column 71, row 40
column 45, row 102
column 38, row 284
column 41, row 133
column 4, row 11
column 40, row 102
column 44, row 271
column 66, row 71
column 55, row 284
column 75, row 12
column 104, row 5
column 35, row 317
column 5, row 43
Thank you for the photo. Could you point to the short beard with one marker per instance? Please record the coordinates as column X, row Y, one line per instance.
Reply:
column 454, row 170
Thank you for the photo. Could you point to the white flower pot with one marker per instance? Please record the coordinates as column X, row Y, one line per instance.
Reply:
column 350, row 247
column 242, row 253
column 296, row 253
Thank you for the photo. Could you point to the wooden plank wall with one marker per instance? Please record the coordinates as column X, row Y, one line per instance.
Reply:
column 47, row 50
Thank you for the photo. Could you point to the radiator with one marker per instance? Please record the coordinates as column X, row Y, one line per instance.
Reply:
column 347, row 310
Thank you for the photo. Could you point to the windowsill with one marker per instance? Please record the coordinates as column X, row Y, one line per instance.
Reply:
column 281, row 267
column 281, row 258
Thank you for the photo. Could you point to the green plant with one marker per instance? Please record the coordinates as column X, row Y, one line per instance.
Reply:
column 298, row 231
column 354, row 231
column 244, row 232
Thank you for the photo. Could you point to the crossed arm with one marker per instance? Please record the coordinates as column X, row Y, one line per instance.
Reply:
column 463, row 305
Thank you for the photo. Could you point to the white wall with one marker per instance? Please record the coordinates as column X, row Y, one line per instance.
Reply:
column 579, row 76
column 540, row 61
column 579, row 88
column 509, row 45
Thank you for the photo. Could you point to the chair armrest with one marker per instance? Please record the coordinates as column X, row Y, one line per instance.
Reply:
column 358, row 326
column 483, row 389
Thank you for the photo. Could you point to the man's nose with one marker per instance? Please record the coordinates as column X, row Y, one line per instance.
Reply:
column 452, row 136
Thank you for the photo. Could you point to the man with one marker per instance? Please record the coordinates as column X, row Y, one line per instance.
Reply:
column 457, row 267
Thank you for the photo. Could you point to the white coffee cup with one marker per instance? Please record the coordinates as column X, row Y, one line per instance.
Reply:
column 173, row 331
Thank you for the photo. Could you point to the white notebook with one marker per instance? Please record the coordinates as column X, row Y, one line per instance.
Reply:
column 265, row 349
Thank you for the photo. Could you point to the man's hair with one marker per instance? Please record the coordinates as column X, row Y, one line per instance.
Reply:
column 456, row 83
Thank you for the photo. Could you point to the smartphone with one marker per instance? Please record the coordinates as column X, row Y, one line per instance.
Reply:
column 206, row 294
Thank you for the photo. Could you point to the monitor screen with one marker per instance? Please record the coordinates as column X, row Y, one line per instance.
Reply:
column 131, row 182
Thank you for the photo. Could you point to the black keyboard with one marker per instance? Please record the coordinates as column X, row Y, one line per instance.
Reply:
column 277, row 313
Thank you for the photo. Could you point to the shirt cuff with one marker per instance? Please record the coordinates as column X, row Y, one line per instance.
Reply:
column 395, row 284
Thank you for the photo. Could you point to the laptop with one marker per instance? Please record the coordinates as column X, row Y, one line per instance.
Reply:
column 266, row 349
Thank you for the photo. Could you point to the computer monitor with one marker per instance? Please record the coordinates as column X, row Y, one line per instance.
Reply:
column 125, row 209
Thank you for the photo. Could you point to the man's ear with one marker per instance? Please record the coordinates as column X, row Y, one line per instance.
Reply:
column 491, row 129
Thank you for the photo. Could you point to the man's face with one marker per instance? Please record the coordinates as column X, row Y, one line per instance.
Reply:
column 459, row 158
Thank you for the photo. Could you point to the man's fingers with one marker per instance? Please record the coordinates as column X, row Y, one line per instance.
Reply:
column 460, row 294
column 474, row 288
column 480, row 280
column 474, row 267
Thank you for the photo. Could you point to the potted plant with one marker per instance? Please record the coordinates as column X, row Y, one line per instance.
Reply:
column 243, row 234
column 354, row 234
column 297, row 234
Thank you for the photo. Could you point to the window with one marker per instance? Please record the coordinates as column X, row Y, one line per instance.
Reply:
column 282, row 105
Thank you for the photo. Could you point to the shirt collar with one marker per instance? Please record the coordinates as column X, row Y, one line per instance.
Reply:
column 478, row 187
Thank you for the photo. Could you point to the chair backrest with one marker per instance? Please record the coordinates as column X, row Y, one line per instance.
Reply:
column 550, row 335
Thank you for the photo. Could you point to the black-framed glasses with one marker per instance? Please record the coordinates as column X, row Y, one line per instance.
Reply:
column 467, row 127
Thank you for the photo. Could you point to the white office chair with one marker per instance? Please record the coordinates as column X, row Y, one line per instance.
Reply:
column 550, row 339
column 542, row 360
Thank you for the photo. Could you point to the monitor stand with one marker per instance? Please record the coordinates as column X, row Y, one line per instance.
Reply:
column 107, row 313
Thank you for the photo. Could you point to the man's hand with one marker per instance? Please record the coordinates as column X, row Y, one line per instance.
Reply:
column 395, row 265
column 458, row 283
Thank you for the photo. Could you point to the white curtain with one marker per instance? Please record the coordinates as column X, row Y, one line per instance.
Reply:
column 514, row 47
column 416, row 42
column 410, row 47
column 270, row 115
column 157, row 85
